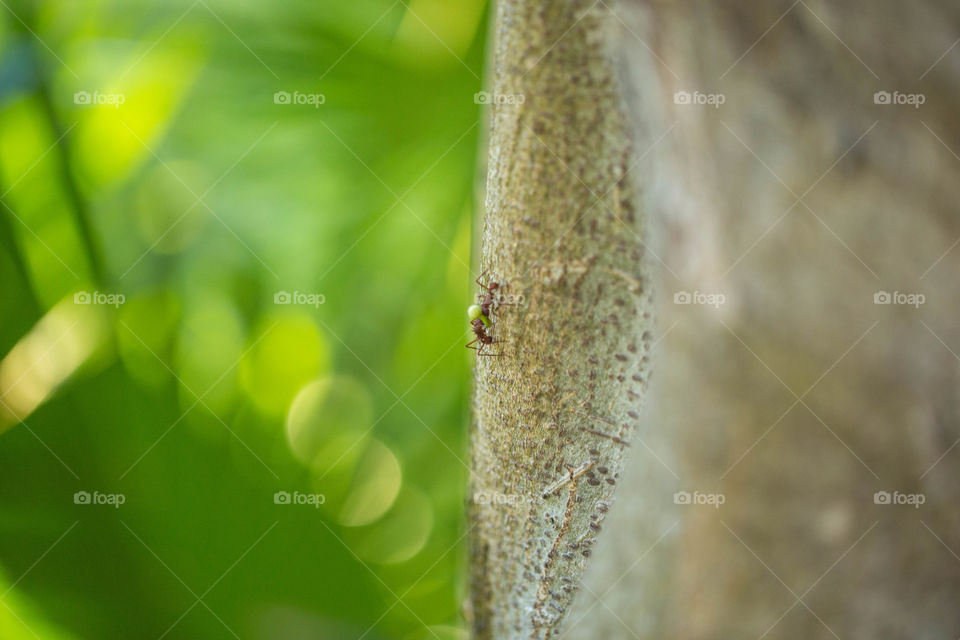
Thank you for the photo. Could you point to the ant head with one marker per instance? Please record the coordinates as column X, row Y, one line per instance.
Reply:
column 493, row 285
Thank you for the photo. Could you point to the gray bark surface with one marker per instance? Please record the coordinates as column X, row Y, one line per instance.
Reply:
column 797, row 399
column 555, row 411
column 798, row 199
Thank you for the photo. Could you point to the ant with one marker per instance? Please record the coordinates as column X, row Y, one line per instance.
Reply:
column 479, row 321
column 490, row 299
column 480, row 315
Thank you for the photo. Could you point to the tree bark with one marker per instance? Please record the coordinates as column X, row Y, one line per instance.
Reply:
column 791, row 407
column 799, row 199
column 557, row 403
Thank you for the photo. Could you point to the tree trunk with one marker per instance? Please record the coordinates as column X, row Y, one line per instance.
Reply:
column 799, row 199
column 792, row 397
column 558, row 400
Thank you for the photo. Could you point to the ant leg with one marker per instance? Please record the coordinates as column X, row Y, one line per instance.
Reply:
column 488, row 355
column 470, row 343
column 485, row 287
column 480, row 277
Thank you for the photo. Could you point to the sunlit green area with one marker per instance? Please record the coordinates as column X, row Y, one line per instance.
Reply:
column 235, row 241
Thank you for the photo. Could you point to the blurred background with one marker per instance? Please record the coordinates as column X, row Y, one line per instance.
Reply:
column 233, row 273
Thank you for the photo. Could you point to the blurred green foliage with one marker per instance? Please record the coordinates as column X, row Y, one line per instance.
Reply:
column 288, row 282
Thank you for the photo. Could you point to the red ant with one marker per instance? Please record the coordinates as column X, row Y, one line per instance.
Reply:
column 491, row 299
column 480, row 315
column 479, row 321
column 487, row 300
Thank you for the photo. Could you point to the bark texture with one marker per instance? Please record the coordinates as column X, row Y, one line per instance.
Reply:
column 799, row 199
column 555, row 412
